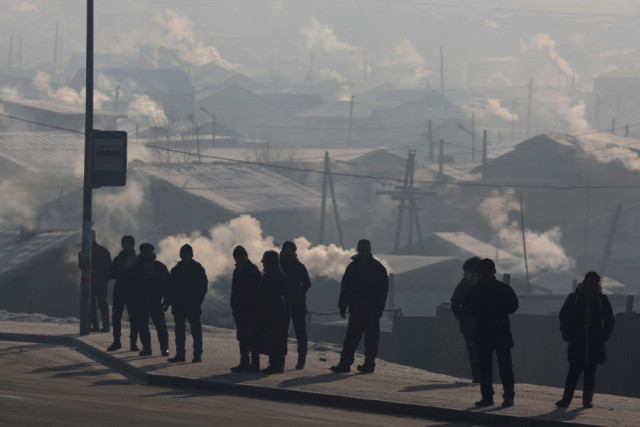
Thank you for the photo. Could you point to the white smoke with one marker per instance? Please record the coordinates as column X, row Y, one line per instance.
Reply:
column 489, row 23
column 607, row 148
column 405, row 53
column 214, row 250
column 494, row 108
column 323, row 37
column 117, row 211
column 544, row 251
column 24, row 6
column 543, row 42
column 180, row 36
column 144, row 107
column 67, row 95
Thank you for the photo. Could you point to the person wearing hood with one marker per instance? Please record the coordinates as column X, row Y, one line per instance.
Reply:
column 586, row 323
column 100, row 265
column 363, row 292
column 298, row 283
column 467, row 324
column 123, row 293
column 272, row 313
column 491, row 302
column 151, row 279
column 244, row 289
column 188, row 285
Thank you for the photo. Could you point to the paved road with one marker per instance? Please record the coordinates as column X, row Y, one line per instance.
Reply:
column 48, row 385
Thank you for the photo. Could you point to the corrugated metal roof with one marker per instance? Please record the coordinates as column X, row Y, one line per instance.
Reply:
column 15, row 254
column 238, row 188
column 44, row 152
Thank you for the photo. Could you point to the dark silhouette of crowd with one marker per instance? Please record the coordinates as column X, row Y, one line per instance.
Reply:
column 265, row 303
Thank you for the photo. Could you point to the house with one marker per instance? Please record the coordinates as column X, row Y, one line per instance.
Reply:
column 39, row 271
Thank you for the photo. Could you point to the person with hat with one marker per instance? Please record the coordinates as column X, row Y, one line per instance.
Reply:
column 151, row 278
column 188, row 285
column 244, row 290
column 272, row 315
column 363, row 292
column 298, row 283
column 586, row 323
column 491, row 302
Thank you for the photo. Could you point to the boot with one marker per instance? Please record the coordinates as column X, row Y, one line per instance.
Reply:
column 105, row 329
column 164, row 351
column 115, row 346
column 255, row 362
column 95, row 328
column 179, row 357
column 134, row 347
column 300, row 364
column 341, row 368
column 485, row 401
column 565, row 401
column 587, row 399
column 244, row 362
column 197, row 358
column 366, row 368
column 145, row 352
column 275, row 366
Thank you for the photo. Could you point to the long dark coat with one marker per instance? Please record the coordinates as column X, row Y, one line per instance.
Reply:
column 187, row 288
column 272, row 313
column 491, row 302
column 244, row 300
column 100, row 267
column 587, row 324
column 151, row 279
column 121, row 272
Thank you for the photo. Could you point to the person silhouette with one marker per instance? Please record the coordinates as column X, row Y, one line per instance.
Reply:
column 123, row 294
column 586, row 323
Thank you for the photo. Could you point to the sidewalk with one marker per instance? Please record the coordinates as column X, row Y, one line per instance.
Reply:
column 392, row 388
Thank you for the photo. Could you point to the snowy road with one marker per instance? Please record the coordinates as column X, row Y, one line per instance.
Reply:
column 47, row 385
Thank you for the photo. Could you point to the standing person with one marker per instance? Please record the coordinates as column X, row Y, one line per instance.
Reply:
column 151, row 279
column 244, row 291
column 586, row 322
column 123, row 293
column 298, row 283
column 364, row 289
column 188, row 286
column 491, row 302
column 273, row 320
column 100, row 265
column 467, row 324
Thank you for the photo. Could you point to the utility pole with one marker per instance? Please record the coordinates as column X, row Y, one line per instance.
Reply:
column 442, row 72
column 213, row 131
column 10, row 53
column 325, row 177
column 55, row 49
column 198, row 140
column 85, row 276
column 328, row 179
column 529, row 108
column 115, row 103
column 20, row 51
column 407, row 193
column 470, row 71
column 610, row 238
column 441, row 157
column 626, row 131
column 613, row 126
column 353, row 97
column 473, row 137
column 430, row 136
column 524, row 245
column 484, row 147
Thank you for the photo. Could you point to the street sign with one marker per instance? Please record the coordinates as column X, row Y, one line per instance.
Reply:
column 109, row 159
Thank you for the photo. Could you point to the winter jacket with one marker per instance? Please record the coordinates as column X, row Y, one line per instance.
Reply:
column 188, row 286
column 467, row 323
column 100, row 266
column 587, row 324
column 364, row 287
column 298, row 281
column 244, row 290
column 272, row 314
column 491, row 302
column 151, row 279
column 121, row 272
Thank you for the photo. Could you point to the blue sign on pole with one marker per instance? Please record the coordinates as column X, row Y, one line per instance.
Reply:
column 109, row 159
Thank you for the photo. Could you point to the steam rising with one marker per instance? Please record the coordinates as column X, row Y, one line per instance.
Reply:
column 24, row 6
column 544, row 251
column 145, row 107
column 543, row 42
column 66, row 95
column 323, row 37
column 494, row 108
column 214, row 250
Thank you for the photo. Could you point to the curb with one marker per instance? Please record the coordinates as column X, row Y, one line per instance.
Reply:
column 288, row 395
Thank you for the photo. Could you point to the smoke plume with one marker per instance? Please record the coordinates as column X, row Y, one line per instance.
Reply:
column 495, row 109
column 67, row 95
column 323, row 37
column 543, row 42
column 24, row 6
column 406, row 54
column 144, row 107
column 214, row 250
column 544, row 251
